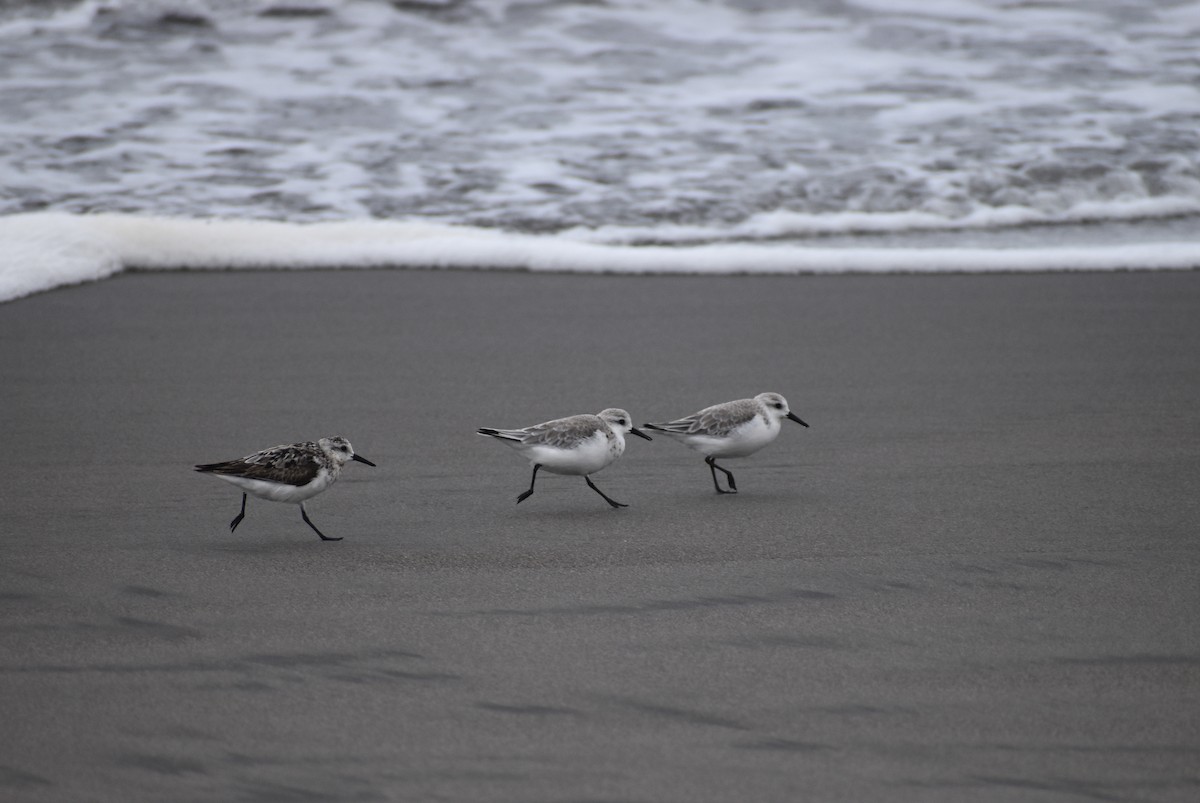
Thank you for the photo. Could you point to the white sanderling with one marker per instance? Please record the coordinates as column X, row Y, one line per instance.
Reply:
column 733, row 429
column 290, row 473
column 578, row 444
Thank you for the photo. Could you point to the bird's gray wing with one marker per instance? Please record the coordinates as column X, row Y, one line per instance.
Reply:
column 563, row 433
column 718, row 420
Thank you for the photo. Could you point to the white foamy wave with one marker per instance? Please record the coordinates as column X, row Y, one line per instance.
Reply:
column 47, row 250
column 783, row 224
column 43, row 251
column 666, row 122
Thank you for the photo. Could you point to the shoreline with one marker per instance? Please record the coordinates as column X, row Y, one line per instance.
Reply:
column 45, row 250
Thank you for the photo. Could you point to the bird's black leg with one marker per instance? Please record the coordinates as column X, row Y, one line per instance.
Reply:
column 529, row 493
column 712, row 465
column 597, row 490
column 238, row 519
column 304, row 515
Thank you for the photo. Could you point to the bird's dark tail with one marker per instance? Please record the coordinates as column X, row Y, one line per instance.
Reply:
column 210, row 468
column 494, row 433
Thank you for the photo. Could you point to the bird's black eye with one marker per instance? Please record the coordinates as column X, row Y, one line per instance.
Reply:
column 621, row 422
column 778, row 406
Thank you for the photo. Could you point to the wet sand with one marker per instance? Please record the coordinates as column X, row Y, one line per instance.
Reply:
column 976, row 577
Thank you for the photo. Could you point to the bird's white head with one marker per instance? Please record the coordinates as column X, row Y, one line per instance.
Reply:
column 340, row 450
column 778, row 407
column 620, row 421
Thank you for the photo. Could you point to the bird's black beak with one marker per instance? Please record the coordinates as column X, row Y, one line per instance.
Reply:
column 796, row 418
column 639, row 433
column 369, row 463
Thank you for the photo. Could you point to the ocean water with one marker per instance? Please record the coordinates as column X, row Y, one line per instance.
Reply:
column 616, row 135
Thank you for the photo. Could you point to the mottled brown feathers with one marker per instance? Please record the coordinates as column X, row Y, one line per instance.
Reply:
column 292, row 465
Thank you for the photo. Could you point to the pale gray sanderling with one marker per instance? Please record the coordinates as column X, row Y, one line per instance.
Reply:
column 578, row 444
column 290, row 473
column 733, row 429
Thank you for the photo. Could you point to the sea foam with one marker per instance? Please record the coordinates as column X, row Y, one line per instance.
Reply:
column 46, row 249
column 663, row 122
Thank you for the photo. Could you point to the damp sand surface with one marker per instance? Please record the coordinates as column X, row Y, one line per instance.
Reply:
column 976, row 576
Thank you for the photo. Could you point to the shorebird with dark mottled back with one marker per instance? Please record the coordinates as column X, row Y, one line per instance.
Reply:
column 732, row 429
column 292, row 473
column 576, row 445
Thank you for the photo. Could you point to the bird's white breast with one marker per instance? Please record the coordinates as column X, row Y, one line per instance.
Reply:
column 588, row 457
column 742, row 441
column 281, row 491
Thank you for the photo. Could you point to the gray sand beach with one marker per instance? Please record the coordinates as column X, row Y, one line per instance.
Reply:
column 975, row 577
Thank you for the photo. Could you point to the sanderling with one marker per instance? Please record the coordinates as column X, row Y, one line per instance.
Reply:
column 287, row 473
column 733, row 429
column 578, row 444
